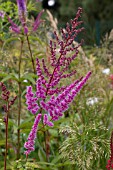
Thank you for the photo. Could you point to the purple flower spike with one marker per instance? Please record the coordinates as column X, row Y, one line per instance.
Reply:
column 21, row 6
column 13, row 26
column 46, row 121
column 29, row 145
column 31, row 101
column 25, row 30
column 38, row 69
column 55, row 100
column 22, row 11
column 2, row 14
column 14, row 29
column 57, row 105
column 37, row 21
column 40, row 90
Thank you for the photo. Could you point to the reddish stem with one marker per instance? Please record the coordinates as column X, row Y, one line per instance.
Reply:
column 6, row 142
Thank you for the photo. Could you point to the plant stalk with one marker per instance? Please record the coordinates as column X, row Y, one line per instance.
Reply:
column 31, row 55
column 6, row 142
column 19, row 102
column 47, row 144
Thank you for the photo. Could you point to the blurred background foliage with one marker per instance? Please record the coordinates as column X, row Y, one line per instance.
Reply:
column 79, row 140
column 97, row 15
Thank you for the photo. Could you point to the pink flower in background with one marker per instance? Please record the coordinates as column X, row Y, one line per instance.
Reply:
column 2, row 14
column 111, row 80
column 109, row 165
column 111, row 77
column 38, row 21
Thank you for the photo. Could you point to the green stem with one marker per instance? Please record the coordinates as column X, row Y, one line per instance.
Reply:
column 19, row 102
column 6, row 142
column 31, row 55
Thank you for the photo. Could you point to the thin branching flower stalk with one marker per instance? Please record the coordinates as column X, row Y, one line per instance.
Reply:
column 48, row 97
column 19, row 100
column 36, row 24
column 6, row 97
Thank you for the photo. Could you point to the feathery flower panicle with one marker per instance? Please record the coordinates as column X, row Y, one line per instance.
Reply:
column 54, row 100
column 5, row 93
column 22, row 10
column 13, row 26
column 31, row 101
column 37, row 21
column 40, row 90
column 29, row 145
column 2, row 14
column 6, row 96
column 109, row 165
column 46, row 121
column 57, row 105
column 38, row 68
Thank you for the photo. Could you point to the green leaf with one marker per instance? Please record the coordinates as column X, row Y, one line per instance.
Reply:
column 29, row 77
column 11, row 123
column 12, row 76
column 56, row 159
column 35, row 39
column 12, row 39
column 32, row 165
column 3, row 75
column 2, row 142
column 7, row 78
column 41, row 153
column 26, row 125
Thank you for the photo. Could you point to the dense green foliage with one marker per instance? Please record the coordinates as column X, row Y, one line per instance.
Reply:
column 79, row 140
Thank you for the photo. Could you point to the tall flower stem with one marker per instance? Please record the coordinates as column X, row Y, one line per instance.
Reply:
column 6, row 142
column 19, row 101
column 31, row 55
column 33, row 64
column 47, row 144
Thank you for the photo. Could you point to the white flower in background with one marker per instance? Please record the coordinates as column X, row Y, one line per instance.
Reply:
column 25, row 81
column 92, row 101
column 106, row 71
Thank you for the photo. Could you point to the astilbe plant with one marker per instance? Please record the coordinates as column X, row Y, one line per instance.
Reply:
column 49, row 101
column 5, row 95
column 22, row 13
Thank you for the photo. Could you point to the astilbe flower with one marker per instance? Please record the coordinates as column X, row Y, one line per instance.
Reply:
column 46, row 121
column 31, row 101
column 22, row 16
column 5, row 94
column 38, row 21
column 29, row 145
column 57, row 105
column 111, row 80
column 15, row 28
column 54, row 100
column 110, row 161
column 2, row 13
column 22, row 10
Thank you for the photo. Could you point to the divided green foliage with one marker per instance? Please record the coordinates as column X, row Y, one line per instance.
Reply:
column 80, row 139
